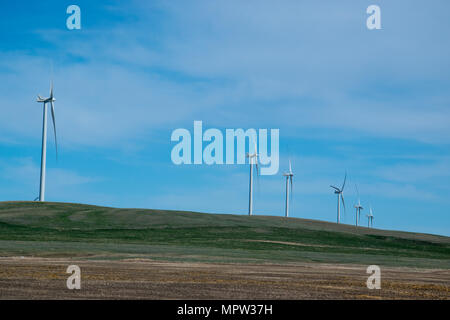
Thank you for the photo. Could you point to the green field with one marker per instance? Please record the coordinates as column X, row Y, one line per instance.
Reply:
column 92, row 232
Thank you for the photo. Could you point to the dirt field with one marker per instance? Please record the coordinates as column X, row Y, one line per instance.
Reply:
column 39, row 278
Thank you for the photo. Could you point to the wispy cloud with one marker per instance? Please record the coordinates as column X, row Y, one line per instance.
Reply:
column 311, row 69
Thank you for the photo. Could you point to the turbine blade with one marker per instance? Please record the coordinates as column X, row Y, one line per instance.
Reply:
column 290, row 167
column 51, row 89
column 290, row 200
column 54, row 127
column 345, row 179
column 343, row 203
column 337, row 189
column 258, row 183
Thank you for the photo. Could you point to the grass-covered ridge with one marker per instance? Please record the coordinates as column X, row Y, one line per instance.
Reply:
column 62, row 229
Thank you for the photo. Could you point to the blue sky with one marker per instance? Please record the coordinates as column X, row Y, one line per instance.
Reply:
column 373, row 103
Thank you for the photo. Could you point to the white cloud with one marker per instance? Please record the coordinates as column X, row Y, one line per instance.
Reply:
column 299, row 65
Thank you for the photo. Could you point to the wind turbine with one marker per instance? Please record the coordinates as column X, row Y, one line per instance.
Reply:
column 340, row 195
column 50, row 100
column 253, row 160
column 370, row 218
column 288, row 176
column 358, row 207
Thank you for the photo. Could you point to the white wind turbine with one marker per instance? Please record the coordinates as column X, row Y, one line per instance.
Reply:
column 370, row 218
column 50, row 100
column 340, row 195
column 253, row 160
column 288, row 176
column 358, row 207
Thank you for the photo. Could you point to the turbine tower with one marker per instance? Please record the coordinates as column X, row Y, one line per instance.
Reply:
column 340, row 195
column 370, row 218
column 253, row 160
column 50, row 100
column 288, row 176
column 358, row 208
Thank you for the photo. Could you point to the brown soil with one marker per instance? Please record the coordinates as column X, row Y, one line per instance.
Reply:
column 39, row 278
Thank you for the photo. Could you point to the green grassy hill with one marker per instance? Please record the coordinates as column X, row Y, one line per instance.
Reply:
column 91, row 232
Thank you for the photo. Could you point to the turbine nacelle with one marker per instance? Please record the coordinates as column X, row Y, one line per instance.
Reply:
column 340, row 196
column 50, row 98
column 251, row 155
column 253, row 159
column 289, row 173
column 358, row 205
column 336, row 190
column 45, row 100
